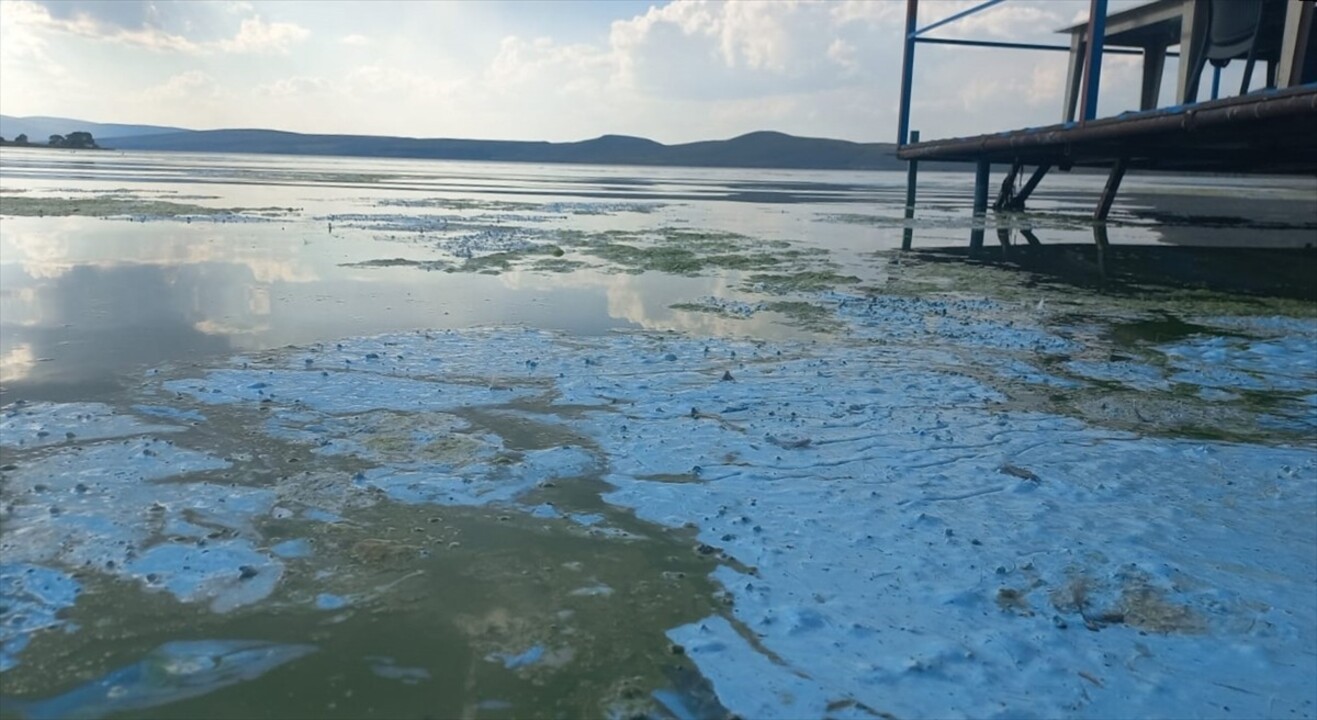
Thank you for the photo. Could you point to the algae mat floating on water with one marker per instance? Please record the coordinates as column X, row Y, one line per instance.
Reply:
column 125, row 205
column 895, row 460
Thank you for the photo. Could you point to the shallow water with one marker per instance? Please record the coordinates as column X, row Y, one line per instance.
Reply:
column 624, row 507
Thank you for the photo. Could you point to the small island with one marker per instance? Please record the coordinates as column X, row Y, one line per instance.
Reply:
column 73, row 141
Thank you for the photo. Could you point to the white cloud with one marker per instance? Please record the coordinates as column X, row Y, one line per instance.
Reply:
column 842, row 53
column 83, row 23
column 394, row 83
column 93, row 22
column 257, row 36
column 297, row 86
column 190, row 85
column 571, row 68
column 680, row 71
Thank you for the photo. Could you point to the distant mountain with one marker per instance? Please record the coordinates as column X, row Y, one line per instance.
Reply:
column 38, row 129
column 755, row 150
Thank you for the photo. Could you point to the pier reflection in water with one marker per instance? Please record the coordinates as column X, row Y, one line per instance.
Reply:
column 1112, row 267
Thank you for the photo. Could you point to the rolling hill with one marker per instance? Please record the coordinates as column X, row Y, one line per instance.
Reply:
column 39, row 128
column 753, row 150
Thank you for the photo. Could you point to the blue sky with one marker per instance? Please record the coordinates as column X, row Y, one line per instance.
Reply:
column 675, row 71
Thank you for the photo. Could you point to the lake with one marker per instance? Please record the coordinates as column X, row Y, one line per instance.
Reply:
column 332, row 437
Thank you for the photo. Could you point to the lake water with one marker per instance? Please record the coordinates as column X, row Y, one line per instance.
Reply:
column 496, row 440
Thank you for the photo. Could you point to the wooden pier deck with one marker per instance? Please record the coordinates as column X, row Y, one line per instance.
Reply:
column 1271, row 131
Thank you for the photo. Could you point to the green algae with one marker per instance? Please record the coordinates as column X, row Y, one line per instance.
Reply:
column 1118, row 326
column 675, row 260
column 675, row 251
column 807, row 316
column 803, row 281
column 117, row 205
column 706, row 308
column 917, row 274
column 397, row 262
column 498, row 262
column 1163, row 328
column 462, row 204
column 556, row 265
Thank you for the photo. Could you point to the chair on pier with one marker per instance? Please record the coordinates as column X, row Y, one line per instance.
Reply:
column 1240, row 29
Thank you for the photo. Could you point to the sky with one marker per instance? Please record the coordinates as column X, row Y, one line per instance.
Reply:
column 676, row 71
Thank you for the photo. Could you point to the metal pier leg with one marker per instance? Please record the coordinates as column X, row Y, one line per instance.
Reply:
column 911, row 180
column 1109, row 192
column 1097, row 33
column 1154, row 62
column 981, row 187
column 980, row 204
column 1006, row 196
column 1193, row 28
column 1074, row 78
column 1100, row 240
column 1030, row 186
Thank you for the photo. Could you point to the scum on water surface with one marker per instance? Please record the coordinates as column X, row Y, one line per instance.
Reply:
column 494, row 513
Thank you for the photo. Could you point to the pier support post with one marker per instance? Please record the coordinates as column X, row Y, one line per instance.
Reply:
column 1097, row 33
column 980, row 204
column 1154, row 62
column 1018, row 202
column 1100, row 240
column 1006, row 196
column 1109, row 192
column 981, row 187
column 911, row 179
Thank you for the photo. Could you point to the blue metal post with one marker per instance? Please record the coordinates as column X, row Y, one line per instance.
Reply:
column 981, row 188
column 980, row 204
column 1216, row 82
column 1097, row 32
column 907, row 71
column 911, row 180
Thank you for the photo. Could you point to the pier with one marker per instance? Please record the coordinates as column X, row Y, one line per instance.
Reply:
column 1266, row 131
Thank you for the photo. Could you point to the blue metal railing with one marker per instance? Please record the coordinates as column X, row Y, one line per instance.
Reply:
column 1097, row 20
column 957, row 16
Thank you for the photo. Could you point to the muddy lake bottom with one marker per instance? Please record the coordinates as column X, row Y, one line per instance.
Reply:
column 319, row 437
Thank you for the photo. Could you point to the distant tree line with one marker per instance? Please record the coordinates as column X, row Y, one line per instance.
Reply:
column 72, row 140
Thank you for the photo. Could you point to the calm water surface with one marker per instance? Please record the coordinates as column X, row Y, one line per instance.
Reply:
column 88, row 304
column 86, row 300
